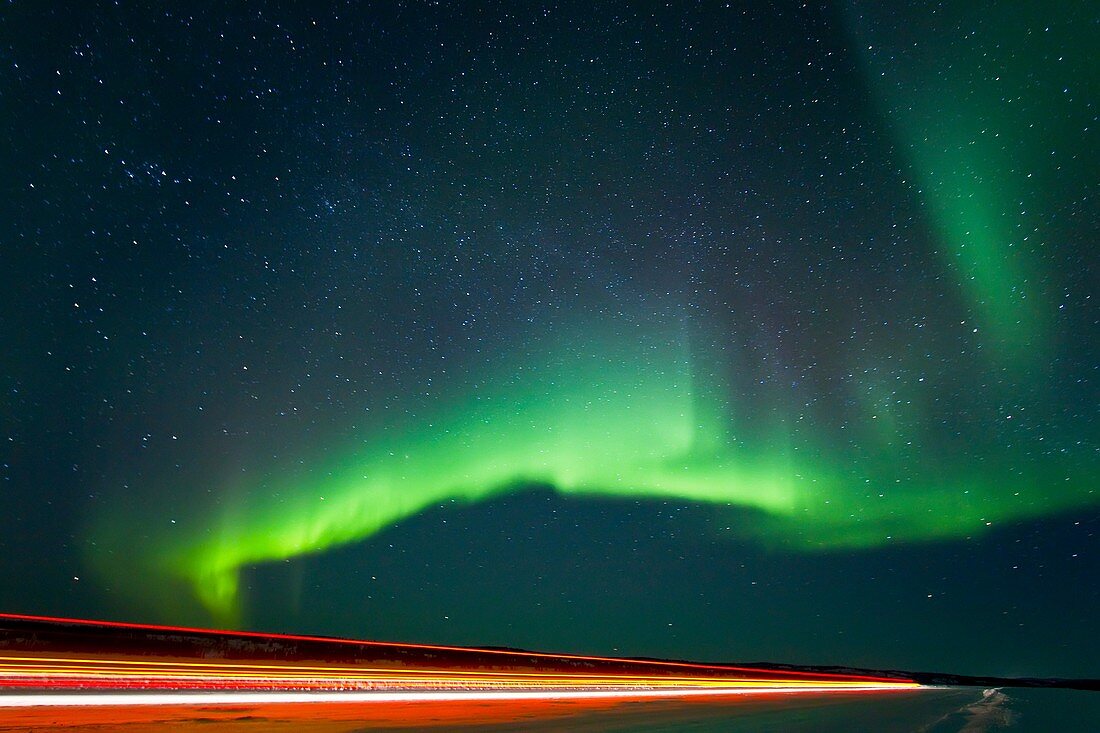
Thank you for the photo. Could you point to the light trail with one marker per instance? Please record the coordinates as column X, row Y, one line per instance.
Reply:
column 100, row 673
column 20, row 670
column 52, row 662
column 263, row 698
column 402, row 645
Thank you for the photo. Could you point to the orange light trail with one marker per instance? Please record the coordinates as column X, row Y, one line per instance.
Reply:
column 33, row 675
column 401, row 645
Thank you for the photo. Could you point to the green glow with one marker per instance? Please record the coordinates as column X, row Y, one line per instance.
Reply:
column 612, row 417
column 618, row 424
column 627, row 413
column 987, row 107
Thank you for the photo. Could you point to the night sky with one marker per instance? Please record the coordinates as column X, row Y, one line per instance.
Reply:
column 738, row 332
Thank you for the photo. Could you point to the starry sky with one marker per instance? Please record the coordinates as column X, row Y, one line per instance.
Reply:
column 726, row 331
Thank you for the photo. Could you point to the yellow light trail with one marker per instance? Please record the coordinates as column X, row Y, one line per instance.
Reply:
column 50, row 662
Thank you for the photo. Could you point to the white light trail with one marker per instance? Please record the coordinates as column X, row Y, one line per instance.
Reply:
column 261, row 698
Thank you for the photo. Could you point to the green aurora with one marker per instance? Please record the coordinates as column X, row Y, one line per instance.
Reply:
column 611, row 418
column 633, row 416
column 975, row 96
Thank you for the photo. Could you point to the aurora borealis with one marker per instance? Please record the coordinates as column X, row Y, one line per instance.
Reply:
column 977, row 146
column 615, row 417
column 540, row 324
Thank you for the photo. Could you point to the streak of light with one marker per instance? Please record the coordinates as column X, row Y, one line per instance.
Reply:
column 515, row 655
column 115, row 664
column 13, row 668
column 238, row 698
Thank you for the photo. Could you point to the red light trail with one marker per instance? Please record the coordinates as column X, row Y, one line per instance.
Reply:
column 51, row 662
